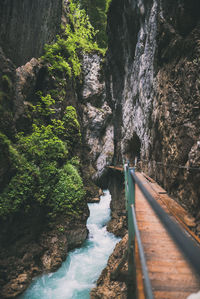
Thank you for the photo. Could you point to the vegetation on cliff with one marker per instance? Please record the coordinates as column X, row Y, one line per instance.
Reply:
column 43, row 167
column 43, row 171
column 97, row 12
column 77, row 38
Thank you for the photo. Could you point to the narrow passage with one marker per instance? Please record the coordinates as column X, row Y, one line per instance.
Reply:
column 83, row 266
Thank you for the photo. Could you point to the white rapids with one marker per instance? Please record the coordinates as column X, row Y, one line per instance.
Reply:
column 79, row 273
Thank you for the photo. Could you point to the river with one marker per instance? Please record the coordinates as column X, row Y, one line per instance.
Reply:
column 79, row 273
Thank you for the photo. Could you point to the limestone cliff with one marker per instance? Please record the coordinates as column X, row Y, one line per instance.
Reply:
column 26, row 25
column 153, row 83
column 96, row 120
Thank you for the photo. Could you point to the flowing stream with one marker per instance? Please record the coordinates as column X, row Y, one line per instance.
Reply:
column 80, row 271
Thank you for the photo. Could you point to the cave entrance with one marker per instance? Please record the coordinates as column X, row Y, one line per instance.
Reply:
column 133, row 148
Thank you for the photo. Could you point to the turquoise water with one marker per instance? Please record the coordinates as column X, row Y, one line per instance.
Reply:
column 79, row 272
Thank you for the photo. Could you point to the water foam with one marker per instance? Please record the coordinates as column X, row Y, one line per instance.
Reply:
column 79, row 272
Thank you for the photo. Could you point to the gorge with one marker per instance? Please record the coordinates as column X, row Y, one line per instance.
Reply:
column 140, row 99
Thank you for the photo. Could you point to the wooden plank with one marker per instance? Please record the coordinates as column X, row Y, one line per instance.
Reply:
column 171, row 295
column 170, row 274
column 174, row 208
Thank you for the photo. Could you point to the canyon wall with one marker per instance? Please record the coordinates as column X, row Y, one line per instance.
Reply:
column 153, row 87
column 25, row 27
column 96, row 119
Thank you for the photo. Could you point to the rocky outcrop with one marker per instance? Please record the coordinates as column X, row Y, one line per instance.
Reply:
column 26, row 25
column 39, row 246
column 7, row 90
column 107, row 287
column 118, row 223
column 96, row 120
column 153, row 87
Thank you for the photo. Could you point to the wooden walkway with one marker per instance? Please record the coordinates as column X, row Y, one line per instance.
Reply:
column 170, row 274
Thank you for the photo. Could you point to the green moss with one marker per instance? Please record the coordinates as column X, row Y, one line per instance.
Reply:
column 43, row 108
column 59, row 93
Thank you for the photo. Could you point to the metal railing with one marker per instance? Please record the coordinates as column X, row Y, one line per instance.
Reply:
column 187, row 245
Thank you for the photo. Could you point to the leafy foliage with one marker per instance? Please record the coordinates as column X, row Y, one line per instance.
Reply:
column 69, row 186
column 43, row 107
column 43, row 176
column 97, row 11
column 73, row 134
column 43, row 166
column 67, row 129
column 21, row 183
column 41, row 171
column 42, row 145
column 63, row 55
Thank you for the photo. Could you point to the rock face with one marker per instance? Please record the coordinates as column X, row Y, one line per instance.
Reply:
column 38, row 247
column 96, row 120
column 25, row 27
column 153, row 87
column 7, row 90
column 118, row 222
column 107, row 287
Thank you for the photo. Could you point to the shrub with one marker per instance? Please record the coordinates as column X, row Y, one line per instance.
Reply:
column 42, row 175
column 42, row 145
column 68, row 193
column 70, row 122
column 22, row 184
column 43, row 107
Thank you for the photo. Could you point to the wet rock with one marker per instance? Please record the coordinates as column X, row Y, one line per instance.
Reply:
column 16, row 286
column 76, row 236
column 106, row 287
column 7, row 87
column 42, row 250
column 118, row 223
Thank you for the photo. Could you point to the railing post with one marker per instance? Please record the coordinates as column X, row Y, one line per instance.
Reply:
column 130, row 200
column 126, row 184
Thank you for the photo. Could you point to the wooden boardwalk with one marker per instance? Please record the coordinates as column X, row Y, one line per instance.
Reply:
column 170, row 274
